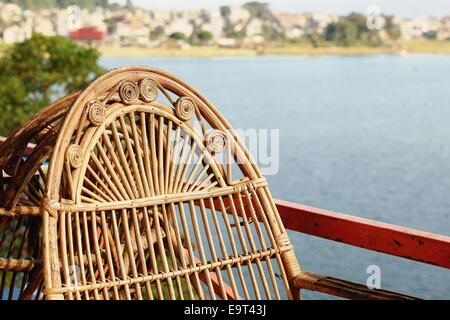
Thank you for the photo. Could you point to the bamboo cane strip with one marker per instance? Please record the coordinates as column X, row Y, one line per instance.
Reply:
column 123, row 177
column 33, row 285
column 196, row 181
column 109, row 255
column 69, row 180
column 172, row 251
column 120, row 253
column 180, row 163
column 80, row 252
column 262, row 241
column 63, row 245
column 105, row 175
column 123, row 158
column 211, row 248
column 200, row 247
column 154, row 161
column 173, row 159
column 20, row 265
column 112, row 172
column 137, row 176
column 204, row 182
column 88, row 253
column 185, row 168
column 100, row 266
column 153, row 261
column 24, row 211
column 13, row 278
column 69, row 226
column 140, row 250
column 180, row 251
column 192, row 174
column 138, row 146
column 102, row 184
column 10, row 252
column 169, row 98
column 223, row 247
column 129, row 251
column 5, row 232
column 98, row 190
column 146, row 148
column 268, row 229
column 190, row 250
column 31, row 197
column 162, row 250
column 168, row 155
column 160, row 148
column 233, row 247
column 243, row 245
column 253, row 245
column 92, row 195
column 85, row 199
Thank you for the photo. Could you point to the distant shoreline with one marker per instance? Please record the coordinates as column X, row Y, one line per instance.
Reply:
column 412, row 47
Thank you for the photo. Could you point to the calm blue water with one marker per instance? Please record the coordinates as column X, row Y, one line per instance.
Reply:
column 364, row 135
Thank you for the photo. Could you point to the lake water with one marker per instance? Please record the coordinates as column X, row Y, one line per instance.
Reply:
column 364, row 135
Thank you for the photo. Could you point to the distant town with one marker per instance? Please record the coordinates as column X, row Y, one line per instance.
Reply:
column 250, row 25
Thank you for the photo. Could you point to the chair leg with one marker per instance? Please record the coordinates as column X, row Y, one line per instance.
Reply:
column 344, row 289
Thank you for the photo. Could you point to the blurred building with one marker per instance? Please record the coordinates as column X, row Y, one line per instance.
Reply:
column 88, row 34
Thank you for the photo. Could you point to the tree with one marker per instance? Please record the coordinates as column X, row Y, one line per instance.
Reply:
column 203, row 36
column 391, row 29
column 271, row 33
column 156, row 33
column 259, row 10
column 129, row 5
column 352, row 30
column 238, row 35
column 36, row 72
column 225, row 11
column 177, row 36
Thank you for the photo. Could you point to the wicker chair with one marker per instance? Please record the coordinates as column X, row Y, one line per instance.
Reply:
column 138, row 188
column 136, row 203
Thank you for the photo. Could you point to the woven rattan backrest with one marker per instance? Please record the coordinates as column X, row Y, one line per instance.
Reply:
column 151, row 195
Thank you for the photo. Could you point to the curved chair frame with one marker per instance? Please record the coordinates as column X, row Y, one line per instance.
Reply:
column 139, row 200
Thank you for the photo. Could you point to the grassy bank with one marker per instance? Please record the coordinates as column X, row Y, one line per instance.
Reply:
column 310, row 51
column 428, row 46
column 163, row 52
column 411, row 46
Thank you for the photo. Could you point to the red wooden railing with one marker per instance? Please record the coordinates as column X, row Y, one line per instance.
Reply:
column 398, row 241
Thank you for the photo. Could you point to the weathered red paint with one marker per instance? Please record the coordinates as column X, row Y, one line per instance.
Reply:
column 368, row 234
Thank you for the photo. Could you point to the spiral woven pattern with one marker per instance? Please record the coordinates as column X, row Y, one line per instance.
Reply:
column 74, row 156
column 128, row 92
column 96, row 113
column 216, row 141
column 185, row 108
column 148, row 90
